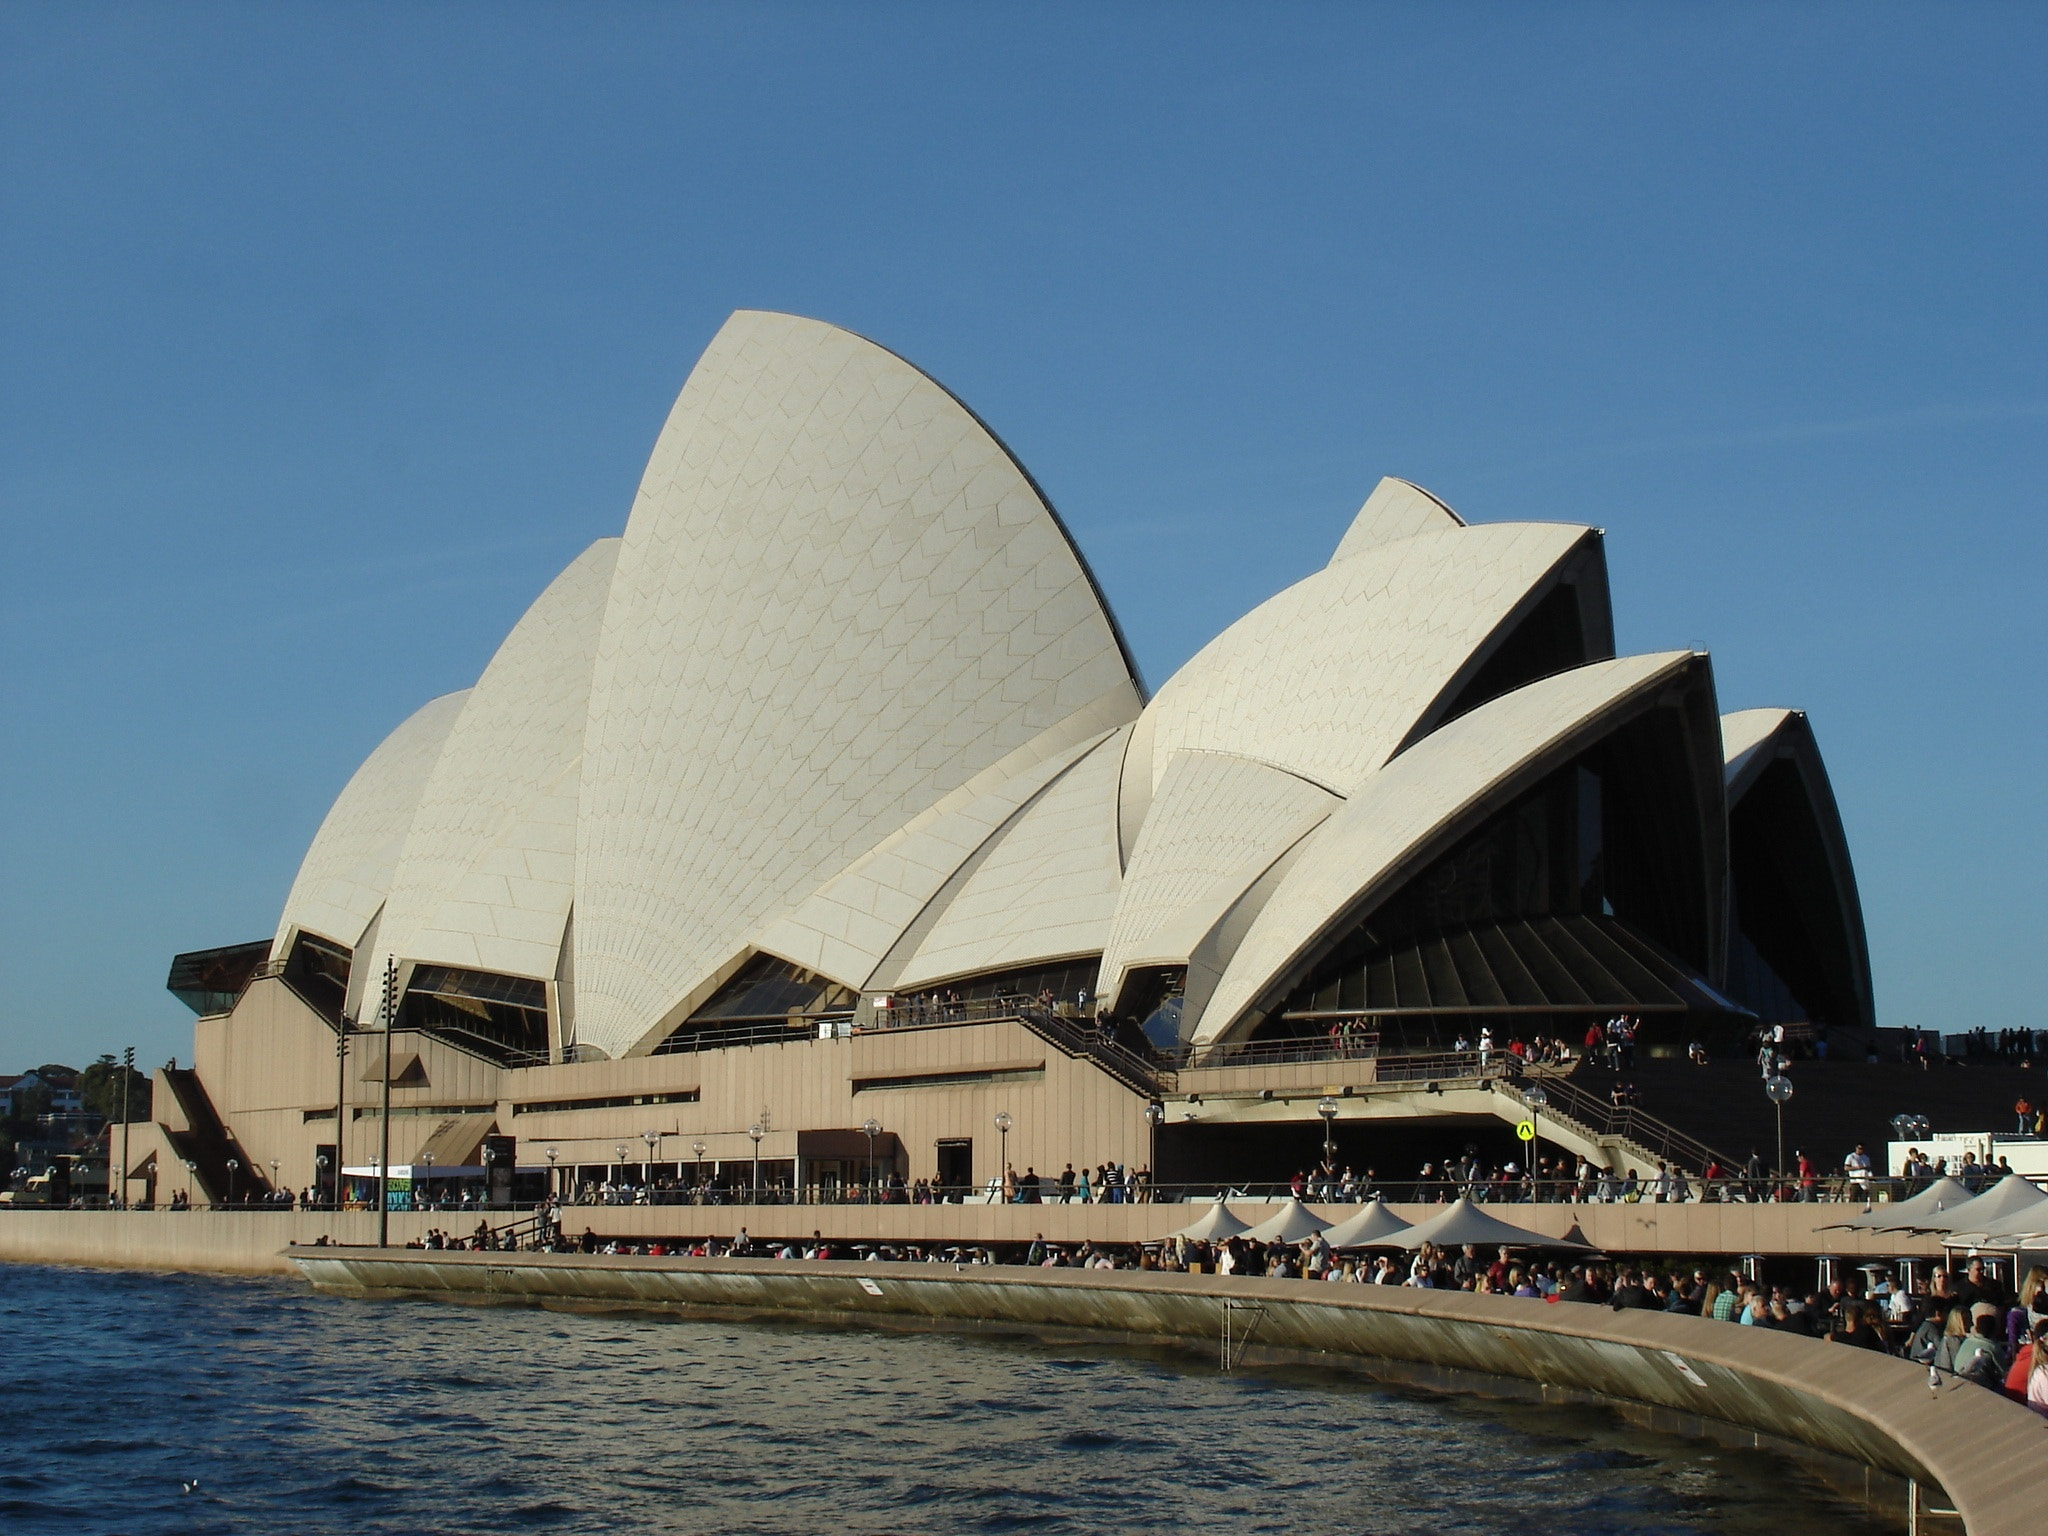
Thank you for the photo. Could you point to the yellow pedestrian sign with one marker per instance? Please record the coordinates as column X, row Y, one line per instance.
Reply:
column 1526, row 1129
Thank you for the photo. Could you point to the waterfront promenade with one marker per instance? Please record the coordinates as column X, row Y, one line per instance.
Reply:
column 1860, row 1410
column 254, row 1241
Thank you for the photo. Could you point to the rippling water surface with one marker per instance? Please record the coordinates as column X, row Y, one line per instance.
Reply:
column 301, row 1413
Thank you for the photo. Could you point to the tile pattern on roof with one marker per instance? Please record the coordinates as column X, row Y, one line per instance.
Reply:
column 1326, row 679
column 1407, row 805
column 489, row 865
column 345, row 873
column 1215, row 825
column 1396, row 509
column 846, row 927
column 1744, row 730
column 1045, row 890
column 838, row 600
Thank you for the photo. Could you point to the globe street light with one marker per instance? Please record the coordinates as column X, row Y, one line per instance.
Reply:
column 757, row 1131
column 191, row 1172
column 1003, row 1124
column 321, row 1163
column 653, row 1140
column 698, row 1191
column 273, row 1175
column 424, row 1201
column 1155, row 1113
column 1779, row 1088
column 554, row 1189
column 1537, row 1100
column 234, row 1165
column 871, row 1128
column 619, row 1178
column 1327, row 1108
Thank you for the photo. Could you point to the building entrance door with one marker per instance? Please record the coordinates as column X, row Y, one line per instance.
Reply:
column 956, row 1168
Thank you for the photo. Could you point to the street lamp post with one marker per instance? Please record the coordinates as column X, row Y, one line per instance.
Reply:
column 757, row 1131
column 554, row 1188
column 1327, row 1108
column 342, row 1030
column 321, row 1163
column 619, row 1178
column 1536, row 1099
column 127, row 1105
column 1003, row 1124
column 191, row 1173
column 384, row 1114
column 1779, row 1088
column 234, row 1166
column 273, row 1178
column 697, row 1177
column 872, row 1128
column 1155, row 1113
column 653, row 1140
column 424, row 1200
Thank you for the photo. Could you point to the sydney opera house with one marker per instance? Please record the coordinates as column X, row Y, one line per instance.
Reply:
column 821, row 822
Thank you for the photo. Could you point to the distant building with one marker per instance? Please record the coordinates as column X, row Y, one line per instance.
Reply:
column 830, row 793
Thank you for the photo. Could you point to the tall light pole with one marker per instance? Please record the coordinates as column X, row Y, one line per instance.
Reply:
column 697, row 1191
column 1327, row 1108
column 619, row 1178
column 1779, row 1088
column 191, row 1173
column 321, row 1163
column 653, row 1140
column 1155, row 1113
column 757, row 1131
column 127, row 1107
column 234, row 1165
column 1536, row 1099
column 1003, row 1124
column 554, row 1189
column 873, row 1128
column 342, row 1031
column 273, row 1178
column 384, row 1127
column 426, row 1185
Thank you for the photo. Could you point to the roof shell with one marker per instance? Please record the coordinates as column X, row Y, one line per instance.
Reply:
column 489, row 865
column 1043, row 889
column 839, row 599
column 1327, row 679
column 348, row 868
column 1216, row 824
column 1413, row 806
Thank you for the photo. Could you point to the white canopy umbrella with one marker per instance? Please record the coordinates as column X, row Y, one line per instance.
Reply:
column 1935, row 1201
column 1463, row 1222
column 1980, row 1227
column 1371, row 1226
column 2009, row 1196
column 1214, row 1226
column 1290, row 1224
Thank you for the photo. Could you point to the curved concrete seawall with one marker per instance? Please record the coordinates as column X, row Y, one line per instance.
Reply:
column 1984, row 1451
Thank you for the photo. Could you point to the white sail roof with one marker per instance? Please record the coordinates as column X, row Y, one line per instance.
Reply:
column 838, row 600
column 1370, row 842
column 346, row 871
column 489, row 865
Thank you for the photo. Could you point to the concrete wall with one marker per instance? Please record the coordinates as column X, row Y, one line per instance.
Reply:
column 249, row 1242
column 1984, row 1451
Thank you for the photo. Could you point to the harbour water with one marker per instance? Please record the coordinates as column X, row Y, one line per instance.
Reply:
column 292, row 1412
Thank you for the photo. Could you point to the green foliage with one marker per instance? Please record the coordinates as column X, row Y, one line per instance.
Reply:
column 99, row 1087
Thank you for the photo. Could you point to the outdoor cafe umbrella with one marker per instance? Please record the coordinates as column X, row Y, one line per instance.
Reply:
column 2007, row 1229
column 1214, row 1226
column 2008, row 1197
column 1290, row 1224
column 1463, row 1222
column 1371, row 1226
column 1940, row 1197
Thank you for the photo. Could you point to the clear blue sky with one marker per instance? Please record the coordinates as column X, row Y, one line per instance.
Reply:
column 329, row 333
